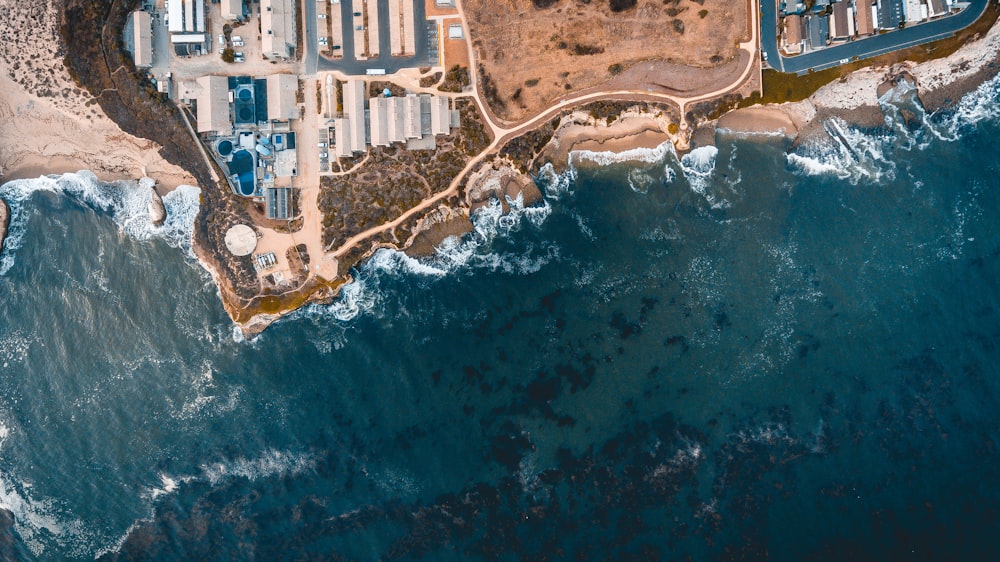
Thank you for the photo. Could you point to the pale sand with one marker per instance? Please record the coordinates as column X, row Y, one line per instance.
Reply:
column 758, row 120
column 48, row 125
column 629, row 131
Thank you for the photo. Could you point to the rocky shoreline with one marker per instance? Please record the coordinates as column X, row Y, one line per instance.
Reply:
column 4, row 222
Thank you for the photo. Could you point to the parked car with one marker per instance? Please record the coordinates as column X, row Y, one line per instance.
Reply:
column 222, row 39
column 322, row 16
column 236, row 38
column 357, row 14
column 322, row 145
column 166, row 20
column 323, row 155
column 335, row 47
column 359, row 27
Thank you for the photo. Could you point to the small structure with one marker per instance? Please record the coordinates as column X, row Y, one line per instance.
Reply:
column 455, row 31
column 864, row 16
column 232, row 10
column 914, row 11
column 241, row 240
column 142, row 39
column 277, row 28
column 281, row 90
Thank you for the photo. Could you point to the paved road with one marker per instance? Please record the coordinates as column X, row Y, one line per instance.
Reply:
column 862, row 48
column 309, row 41
column 351, row 66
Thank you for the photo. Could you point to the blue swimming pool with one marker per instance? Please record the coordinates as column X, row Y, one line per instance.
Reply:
column 242, row 166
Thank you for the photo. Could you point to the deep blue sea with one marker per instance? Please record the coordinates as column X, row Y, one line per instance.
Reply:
column 759, row 350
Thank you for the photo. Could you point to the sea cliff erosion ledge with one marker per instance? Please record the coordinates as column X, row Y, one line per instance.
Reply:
column 318, row 212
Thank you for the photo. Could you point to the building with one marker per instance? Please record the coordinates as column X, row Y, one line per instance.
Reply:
column 142, row 39
column 864, row 16
column 818, row 29
column 912, row 12
column 378, row 110
column 440, row 116
column 277, row 28
column 186, row 16
column 396, row 120
column 233, row 9
column 277, row 203
column 792, row 36
column 354, row 106
column 281, row 104
column 890, row 14
column 841, row 25
column 936, row 8
column 342, row 138
column 212, row 98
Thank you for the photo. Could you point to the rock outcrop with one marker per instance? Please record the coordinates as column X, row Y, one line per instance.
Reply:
column 157, row 212
column 4, row 222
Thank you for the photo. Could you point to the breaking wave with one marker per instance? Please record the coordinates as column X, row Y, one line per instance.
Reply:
column 847, row 153
column 603, row 158
column 127, row 202
column 698, row 167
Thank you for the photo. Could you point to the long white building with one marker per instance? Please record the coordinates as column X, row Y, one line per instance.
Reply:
column 277, row 28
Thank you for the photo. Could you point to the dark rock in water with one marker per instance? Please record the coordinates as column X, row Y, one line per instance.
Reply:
column 8, row 541
column 4, row 222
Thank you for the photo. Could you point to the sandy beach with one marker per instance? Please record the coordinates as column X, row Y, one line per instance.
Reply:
column 50, row 126
column 629, row 131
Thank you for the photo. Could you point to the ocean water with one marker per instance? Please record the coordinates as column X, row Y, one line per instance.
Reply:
column 752, row 351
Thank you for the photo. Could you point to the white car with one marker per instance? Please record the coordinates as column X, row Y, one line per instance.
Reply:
column 236, row 38
column 237, row 43
column 322, row 16
column 323, row 155
column 222, row 39
column 322, row 145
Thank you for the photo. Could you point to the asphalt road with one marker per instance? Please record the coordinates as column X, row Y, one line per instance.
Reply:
column 312, row 36
column 862, row 48
column 351, row 66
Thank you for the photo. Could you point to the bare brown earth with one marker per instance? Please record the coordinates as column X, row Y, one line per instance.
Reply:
column 531, row 56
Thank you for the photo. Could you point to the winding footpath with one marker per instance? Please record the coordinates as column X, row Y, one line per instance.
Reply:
column 502, row 134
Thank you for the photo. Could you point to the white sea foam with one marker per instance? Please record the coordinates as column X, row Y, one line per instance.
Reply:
column 604, row 158
column 847, row 153
column 126, row 201
column 556, row 185
column 43, row 523
column 976, row 106
column 698, row 167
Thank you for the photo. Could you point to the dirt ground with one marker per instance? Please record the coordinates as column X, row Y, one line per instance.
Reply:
column 533, row 55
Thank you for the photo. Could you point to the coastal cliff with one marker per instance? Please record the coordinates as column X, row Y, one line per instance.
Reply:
column 440, row 192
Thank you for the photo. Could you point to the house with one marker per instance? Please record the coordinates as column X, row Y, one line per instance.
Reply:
column 818, row 29
column 791, row 38
column 890, row 14
column 912, row 12
column 841, row 23
column 864, row 16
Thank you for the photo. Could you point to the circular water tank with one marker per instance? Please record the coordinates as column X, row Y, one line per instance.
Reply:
column 245, row 94
column 246, row 114
column 241, row 240
column 225, row 148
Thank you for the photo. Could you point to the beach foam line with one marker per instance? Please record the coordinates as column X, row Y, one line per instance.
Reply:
column 639, row 154
column 125, row 201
